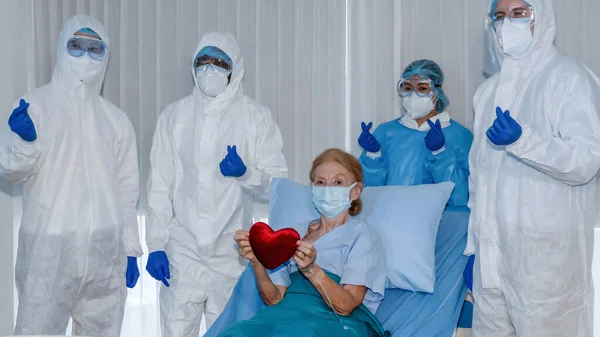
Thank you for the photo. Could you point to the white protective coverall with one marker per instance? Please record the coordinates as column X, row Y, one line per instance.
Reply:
column 194, row 210
column 533, row 202
column 79, row 197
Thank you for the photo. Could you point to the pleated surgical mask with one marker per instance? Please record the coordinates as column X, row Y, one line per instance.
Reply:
column 331, row 201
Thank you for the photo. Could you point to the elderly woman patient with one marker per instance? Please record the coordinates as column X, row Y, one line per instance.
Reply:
column 336, row 279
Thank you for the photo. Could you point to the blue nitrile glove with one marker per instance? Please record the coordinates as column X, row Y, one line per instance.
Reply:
column 21, row 124
column 232, row 165
column 468, row 273
column 505, row 129
column 366, row 140
column 158, row 266
column 435, row 140
column 133, row 272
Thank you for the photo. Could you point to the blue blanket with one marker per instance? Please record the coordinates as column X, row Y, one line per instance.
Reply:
column 303, row 312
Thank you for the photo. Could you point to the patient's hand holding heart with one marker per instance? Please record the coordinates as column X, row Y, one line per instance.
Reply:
column 270, row 248
column 244, row 249
column 305, row 256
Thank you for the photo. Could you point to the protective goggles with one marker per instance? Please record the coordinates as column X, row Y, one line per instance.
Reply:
column 205, row 60
column 77, row 46
column 213, row 67
column 420, row 87
column 522, row 13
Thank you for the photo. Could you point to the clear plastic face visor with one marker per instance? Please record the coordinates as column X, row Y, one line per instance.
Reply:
column 422, row 87
column 515, row 14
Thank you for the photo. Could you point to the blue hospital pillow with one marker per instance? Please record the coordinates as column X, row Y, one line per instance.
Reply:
column 406, row 217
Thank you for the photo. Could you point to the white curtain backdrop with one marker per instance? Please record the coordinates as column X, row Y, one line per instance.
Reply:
column 321, row 66
column 385, row 36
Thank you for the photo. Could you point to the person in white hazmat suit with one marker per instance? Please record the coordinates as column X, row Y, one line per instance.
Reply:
column 213, row 152
column 76, row 154
column 533, row 165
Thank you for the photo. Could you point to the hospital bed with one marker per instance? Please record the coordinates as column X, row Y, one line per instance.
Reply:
column 403, row 313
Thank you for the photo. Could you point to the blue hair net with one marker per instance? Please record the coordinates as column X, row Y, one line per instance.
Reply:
column 493, row 6
column 428, row 69
column 215, row 52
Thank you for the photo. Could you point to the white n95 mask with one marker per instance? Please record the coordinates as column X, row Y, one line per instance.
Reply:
column 417, row 106
column 83, row 67
column 514, row 37
column 212, row 80
column 331, row 201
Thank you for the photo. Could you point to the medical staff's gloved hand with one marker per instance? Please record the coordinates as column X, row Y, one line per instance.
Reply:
column 435, row 140
column 133, row 272
column 366, row 140
column 158, row 267
column 505, row 129
column 468, row 273
column 232, row 165
column 21, row 124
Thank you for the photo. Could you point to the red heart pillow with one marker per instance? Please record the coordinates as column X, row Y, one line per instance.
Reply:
column 272, row 249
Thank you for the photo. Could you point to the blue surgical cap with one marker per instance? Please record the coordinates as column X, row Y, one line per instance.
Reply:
column 428, row 69
column 215, row 52
column 89, row 32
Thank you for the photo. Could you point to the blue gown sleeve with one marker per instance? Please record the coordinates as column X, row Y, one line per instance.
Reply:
column 365, row 266
column 452, row 164
column 281, row 275
column 374, row 165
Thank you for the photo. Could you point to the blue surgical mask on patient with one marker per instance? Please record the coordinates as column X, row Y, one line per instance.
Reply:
column 331, row 201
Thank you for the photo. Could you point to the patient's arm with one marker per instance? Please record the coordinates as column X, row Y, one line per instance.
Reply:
column 270, row 293
column 344, row 299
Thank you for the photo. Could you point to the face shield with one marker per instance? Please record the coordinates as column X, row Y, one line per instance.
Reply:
column 213, row 66
column 518, row 14
column 512, row 27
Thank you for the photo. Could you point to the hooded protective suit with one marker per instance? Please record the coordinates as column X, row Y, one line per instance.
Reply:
column 533, row 202
column 194, row 210
column 81, row 188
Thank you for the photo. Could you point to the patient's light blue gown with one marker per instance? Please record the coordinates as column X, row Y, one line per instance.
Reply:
column 350, row 254
column 353, row 252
